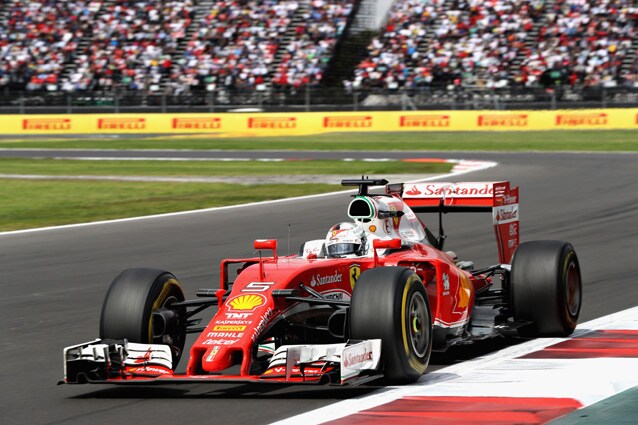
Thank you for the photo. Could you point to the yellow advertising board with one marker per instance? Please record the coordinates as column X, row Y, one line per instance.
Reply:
column 281, row 124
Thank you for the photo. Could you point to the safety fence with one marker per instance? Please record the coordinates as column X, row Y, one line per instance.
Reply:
column 308, row 99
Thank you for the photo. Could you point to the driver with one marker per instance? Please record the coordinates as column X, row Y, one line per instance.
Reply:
column 345, row 239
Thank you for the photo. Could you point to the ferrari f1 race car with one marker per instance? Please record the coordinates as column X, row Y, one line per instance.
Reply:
column 370, row 300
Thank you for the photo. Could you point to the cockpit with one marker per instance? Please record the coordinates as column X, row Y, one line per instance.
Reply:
column 374, row 217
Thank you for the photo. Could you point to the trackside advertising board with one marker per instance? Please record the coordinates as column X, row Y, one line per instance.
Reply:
column 282, row 124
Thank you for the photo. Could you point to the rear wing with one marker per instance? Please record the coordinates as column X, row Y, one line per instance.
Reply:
column 496, row 197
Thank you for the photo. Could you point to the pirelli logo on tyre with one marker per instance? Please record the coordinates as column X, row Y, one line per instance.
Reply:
column 432, row 121
column 504, row 120
column 348, row 122
column 272, row 122
column 121, row 123
column 186, row 123
column 46, row 124
column 575, row 120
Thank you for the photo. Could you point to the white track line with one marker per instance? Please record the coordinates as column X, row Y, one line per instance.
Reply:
column 586, row 380
column 456, row 171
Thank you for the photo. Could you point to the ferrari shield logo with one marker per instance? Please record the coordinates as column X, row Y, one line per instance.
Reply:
column 355, row 271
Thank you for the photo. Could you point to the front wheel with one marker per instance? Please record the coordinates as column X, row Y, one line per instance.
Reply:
column 133, row 297
column 546, row 288
column 390, row 303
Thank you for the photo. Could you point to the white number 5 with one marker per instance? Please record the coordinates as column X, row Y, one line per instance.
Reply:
column 257, row 286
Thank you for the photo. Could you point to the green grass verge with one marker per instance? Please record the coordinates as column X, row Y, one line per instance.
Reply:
column 60, row 167
column 578, row 140
column 28, row 204
column 37, row 203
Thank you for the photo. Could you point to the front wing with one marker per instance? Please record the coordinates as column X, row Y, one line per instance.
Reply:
column 122, row 362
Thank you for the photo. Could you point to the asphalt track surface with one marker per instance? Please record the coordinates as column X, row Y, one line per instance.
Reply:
column 53, row 282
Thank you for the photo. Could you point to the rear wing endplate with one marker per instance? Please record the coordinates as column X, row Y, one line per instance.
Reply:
column 496, row 197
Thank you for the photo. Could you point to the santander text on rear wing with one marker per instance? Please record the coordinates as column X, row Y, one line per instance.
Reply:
column 496, row 197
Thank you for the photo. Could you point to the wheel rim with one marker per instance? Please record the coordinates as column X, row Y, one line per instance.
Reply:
column 572, row 289
column 172, row 339
column 419, row 324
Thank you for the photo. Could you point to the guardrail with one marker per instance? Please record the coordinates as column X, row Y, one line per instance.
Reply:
column 310, row 99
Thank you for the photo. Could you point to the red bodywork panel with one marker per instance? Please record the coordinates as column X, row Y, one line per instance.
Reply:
column 250, row 308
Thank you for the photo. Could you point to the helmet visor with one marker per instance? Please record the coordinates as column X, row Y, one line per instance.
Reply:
column 343, row 248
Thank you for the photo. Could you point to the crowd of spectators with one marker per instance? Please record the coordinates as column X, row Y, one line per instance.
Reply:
column 234, row 45
column 39, row 37
column 481, row 38
column 309, row 52
column 470, row 42
column 133, row 45
column 630, row 78
column 393, row 57
column 584, row 40
column 424, row 43
column 480, row 43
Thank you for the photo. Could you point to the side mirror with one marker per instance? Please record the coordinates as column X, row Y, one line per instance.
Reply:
column 386, row 243
column 265, row 244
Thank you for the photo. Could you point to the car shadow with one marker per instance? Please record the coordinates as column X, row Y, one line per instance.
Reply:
column 460, row 353
column 237, row 391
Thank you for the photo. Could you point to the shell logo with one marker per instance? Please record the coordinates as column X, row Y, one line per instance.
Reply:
column 247, row 302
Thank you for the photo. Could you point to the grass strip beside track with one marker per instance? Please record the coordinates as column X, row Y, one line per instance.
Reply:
column 560, row 140
column 61, row 167
column 29, row 204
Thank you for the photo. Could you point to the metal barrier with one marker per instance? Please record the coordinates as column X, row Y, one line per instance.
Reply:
column 308, row 99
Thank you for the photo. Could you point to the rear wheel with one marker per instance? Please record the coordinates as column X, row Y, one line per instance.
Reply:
column 546, row 288
column 129, row 307
column 390, row 303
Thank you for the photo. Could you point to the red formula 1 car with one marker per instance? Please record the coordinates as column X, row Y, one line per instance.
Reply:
column 372, row 299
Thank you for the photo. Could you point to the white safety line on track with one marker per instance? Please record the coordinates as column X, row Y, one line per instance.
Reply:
column 459, row 169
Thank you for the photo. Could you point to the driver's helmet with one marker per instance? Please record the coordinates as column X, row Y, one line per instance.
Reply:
column 345, row 239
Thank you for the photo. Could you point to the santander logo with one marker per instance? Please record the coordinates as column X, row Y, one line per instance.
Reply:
column 510, row 199
column 455, row 190
column 352, row 359
column 507, row 215
column 317, row 280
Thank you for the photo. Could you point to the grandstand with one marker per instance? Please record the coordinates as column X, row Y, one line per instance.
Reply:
column 501, row 43
column 281, row 52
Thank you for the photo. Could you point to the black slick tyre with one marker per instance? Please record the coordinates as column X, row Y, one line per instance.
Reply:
column 546, row 288
column 390, row 303
column 127, row 312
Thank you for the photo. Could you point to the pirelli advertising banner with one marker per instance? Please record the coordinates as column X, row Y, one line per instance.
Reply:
column 275, row 124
